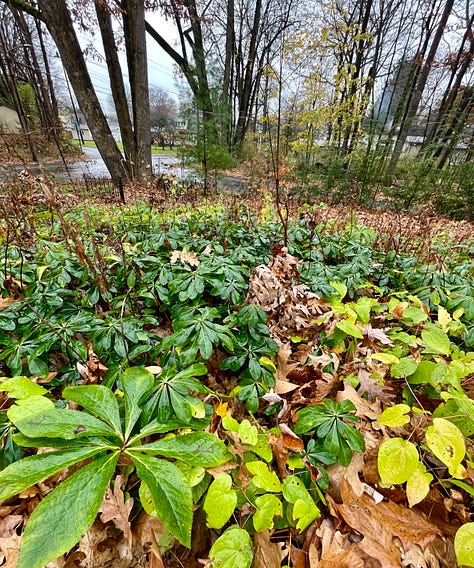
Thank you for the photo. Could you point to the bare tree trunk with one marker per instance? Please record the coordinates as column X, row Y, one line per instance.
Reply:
column 57, row 18
column 135, row 43
column 117, row 86
column 417, row 91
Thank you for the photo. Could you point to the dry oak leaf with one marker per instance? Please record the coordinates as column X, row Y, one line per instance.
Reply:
column 382, row 525
column 267, row 554
column 115, row 508
column 9, row 541
column 336, row 550
column 184, row 257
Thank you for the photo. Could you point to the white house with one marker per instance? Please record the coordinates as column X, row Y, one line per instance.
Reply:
column 9, row 121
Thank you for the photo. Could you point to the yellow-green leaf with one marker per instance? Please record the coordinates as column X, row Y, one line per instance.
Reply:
column 446, row 442
column 464, row 545
column 268, row 507
column 395, row 416
column 220, row 501
column 418, row 485
column 397, row 460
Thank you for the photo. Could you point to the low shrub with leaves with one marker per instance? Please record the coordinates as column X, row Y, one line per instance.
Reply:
column 310, row 404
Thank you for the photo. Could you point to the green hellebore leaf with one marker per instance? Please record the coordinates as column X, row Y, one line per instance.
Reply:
column 62, row 423
column 66, row 514
column 268, row 506
column 446, row 442
column 397, row 460
column 171, row 494
column 196, row 448
column 21, row 387
column 136, row 383
column 464, row 545
column 220, row 501
column 26, row 472
column 395, row 415
column 263, row 478
column 29, row 407
column 97, row 400
column 233, row 549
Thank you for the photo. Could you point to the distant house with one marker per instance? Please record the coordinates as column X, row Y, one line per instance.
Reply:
column 9, row 121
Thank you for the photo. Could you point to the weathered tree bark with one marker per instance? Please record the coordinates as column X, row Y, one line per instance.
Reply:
column 57, row 18
column 119, row 95
column 58, row 21
column 133, row 13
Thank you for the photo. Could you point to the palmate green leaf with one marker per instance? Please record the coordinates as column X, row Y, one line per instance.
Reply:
column 98, row 400
column 233, row 549
column 61, row 423
column 171, row 494
column 65, row 514
column 196, row 448
column 220, row 501
column 26, row 472
column 310, row 418
column 136, row 383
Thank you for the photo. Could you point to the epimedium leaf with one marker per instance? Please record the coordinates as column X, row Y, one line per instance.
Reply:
column 248, row 433
column 418, row 484
column 62, row 423
column 30, row 470
column 304, row 507
column 436, row 340
column 395, row 416
column 220, row 501
column 136, row 383
column 263, row 477
column 98, row 400
column 171, row 494
column 397, row 460
column 349, row 328
column 268, row 507
column 196, row 448
column 66, row 513
column 464, row 545
column 446, row 442
column 304, row 513
column 405, row 367
column 422, row 373
column 233, row 549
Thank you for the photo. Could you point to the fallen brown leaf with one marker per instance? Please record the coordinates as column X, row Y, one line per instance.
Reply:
column 114, row 508
column 267, row 554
